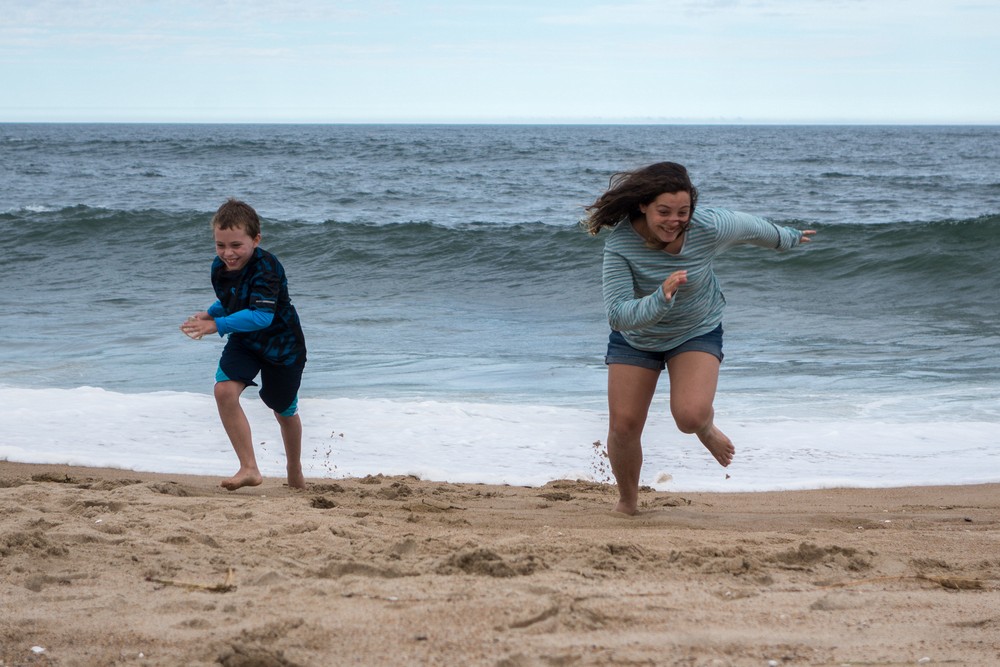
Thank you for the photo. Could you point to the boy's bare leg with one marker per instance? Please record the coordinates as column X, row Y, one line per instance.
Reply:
column 234, row 420
column 291, row 435
column 630, row 392
column 694, row 377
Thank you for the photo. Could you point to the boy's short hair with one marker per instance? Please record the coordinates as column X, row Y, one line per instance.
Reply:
column 235, row 214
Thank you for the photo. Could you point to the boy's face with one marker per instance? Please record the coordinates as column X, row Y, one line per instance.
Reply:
column 235, row 247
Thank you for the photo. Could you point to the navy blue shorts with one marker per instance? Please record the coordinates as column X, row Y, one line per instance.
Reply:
column 620, row 352
column 279, row 384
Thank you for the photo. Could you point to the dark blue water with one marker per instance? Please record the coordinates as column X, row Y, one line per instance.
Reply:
column 446, row 261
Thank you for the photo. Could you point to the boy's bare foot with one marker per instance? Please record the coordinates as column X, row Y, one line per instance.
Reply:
column 719, row 445
column 241, row 479
column 296, row 480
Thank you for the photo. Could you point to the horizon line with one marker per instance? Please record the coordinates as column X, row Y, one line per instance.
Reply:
column 520, row 121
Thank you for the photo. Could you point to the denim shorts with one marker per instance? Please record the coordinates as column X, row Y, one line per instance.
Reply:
column 620, row 352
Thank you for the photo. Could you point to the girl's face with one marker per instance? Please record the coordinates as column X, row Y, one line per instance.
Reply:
column 235, row 247
column 668, row 215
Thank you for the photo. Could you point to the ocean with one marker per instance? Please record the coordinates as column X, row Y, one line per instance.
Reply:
column 452, row 304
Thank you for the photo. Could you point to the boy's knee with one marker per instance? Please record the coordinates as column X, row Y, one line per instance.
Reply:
column 228, row 391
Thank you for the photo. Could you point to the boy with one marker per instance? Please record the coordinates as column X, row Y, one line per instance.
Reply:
column 265, row 337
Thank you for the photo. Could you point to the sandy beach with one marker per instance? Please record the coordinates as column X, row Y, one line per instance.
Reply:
column 113, row 567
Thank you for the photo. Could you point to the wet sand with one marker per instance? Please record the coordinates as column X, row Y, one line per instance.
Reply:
column 113, row 567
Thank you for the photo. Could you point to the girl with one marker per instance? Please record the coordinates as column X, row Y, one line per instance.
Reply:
column 664, row 305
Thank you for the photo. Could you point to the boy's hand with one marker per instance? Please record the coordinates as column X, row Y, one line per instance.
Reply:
column 199, row 325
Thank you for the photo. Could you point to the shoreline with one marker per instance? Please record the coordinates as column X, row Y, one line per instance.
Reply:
column 107, row 566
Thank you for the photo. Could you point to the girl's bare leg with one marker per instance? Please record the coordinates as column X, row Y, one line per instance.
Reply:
column 630, row 392
column 694, row 377
column 291, row 435
column 234, row 420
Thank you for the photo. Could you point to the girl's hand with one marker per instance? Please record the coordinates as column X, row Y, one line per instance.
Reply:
column 675, row 280
column 806, row 233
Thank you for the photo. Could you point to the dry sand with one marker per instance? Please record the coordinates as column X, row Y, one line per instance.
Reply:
column 111, row 567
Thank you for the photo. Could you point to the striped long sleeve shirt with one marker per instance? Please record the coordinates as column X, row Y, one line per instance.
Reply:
column 633, row 276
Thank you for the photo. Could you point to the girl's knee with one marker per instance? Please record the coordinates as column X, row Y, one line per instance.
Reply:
column 626, row 427
column 693, row 420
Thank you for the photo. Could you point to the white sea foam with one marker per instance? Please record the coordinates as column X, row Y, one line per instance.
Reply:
column 529, row 445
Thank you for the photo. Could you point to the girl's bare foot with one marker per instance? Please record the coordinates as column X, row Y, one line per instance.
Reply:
column 625, row 508
column 241, row 479
column 720, row 446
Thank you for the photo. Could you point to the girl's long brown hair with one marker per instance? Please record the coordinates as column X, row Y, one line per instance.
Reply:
column 629, row 190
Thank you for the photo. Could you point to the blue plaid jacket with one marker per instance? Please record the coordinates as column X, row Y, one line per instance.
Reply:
column 261, row 286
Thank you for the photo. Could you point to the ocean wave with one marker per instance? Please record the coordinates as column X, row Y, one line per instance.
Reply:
column 29, row 214
column 24, row 225
column 938, row 256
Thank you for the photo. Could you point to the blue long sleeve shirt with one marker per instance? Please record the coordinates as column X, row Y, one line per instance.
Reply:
column 242, row 320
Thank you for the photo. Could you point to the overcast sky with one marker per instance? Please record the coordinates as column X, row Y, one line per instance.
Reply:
column 749, row 61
